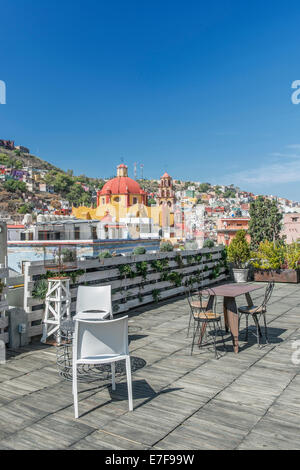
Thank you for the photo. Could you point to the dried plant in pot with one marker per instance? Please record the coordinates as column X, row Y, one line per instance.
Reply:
column 238, row 253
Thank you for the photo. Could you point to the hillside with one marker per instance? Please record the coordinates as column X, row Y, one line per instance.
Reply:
column 27, row 160
column 31, row 184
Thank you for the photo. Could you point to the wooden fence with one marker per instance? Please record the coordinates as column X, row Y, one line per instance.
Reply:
column 135, row 280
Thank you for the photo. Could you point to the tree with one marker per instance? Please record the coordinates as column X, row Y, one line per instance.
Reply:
column 62, row 183
column 238, row 251
column 265, row 222
column 14, row 185
column 229, row 193
column 18, row 164
column 77, row 195
column 25, row 209
column 204, row 187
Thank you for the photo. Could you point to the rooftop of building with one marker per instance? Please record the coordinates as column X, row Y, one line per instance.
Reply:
column 248, row 400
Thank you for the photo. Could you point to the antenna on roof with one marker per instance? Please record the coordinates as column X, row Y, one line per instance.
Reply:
column 142, row 170
column 135, row 170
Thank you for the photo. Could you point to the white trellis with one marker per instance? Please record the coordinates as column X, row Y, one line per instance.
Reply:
column 58, row 302
column 3, row 304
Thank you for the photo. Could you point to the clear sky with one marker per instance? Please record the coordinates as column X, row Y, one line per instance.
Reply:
column 200, row 89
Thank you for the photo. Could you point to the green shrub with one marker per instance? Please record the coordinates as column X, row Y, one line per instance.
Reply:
column 25, row 209
column 175, row 278
column 156, row 295
column 179, row 260
column 166, row 246
column 139, row 250
column 40, row 289
column 160, row 265
column 239, row 250
column 292, row 255
column 269, row 255
column 198, row 258
column 142, row 268
column 68, row 255
column 126, row 271
column 105, row 254
column 208, row 243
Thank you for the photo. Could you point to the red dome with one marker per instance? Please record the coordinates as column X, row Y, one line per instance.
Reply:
column 121, row 185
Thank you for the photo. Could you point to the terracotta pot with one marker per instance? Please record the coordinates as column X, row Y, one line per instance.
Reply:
column 278, row 275
column 240, row 275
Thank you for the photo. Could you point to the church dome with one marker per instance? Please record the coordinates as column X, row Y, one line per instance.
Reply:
column 121, row 184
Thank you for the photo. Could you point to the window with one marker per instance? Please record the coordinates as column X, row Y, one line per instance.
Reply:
column 76, row 233
column 45, row 235
column 94, row 233
column 295, row 219
column 42, row 235
column 117, row 199
column 134, row 201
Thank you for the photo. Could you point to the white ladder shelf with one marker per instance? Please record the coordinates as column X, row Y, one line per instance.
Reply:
column 58, row 303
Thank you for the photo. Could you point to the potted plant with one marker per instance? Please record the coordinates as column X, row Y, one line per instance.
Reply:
column 238, row 253
column 139, row 250
column 277, row 262
column 166, row 246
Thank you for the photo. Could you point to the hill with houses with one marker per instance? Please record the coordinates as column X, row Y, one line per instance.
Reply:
column 29, row 184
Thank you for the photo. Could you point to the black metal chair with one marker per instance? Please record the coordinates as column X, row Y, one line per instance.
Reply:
column 257, row 312
column 196, row 301
column 203, row 318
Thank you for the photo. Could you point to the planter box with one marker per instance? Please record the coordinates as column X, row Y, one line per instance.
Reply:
column 280, row 275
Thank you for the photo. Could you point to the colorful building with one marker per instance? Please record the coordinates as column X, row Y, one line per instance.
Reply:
column 291, row 227
column 122, row 189
column 227, row 228
column 122, row 199
column 166, row 193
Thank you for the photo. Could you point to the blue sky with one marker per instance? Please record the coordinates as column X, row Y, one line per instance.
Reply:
column 200, row 89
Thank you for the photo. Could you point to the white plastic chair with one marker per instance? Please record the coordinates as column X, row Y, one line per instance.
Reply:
column 101, row 342
column 94, row 298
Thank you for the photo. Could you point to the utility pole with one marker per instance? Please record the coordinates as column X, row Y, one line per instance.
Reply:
column 135, row 170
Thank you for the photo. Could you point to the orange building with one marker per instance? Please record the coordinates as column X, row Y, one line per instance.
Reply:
column 228, row 226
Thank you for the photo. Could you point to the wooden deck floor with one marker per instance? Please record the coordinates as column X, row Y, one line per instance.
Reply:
column 245, row 401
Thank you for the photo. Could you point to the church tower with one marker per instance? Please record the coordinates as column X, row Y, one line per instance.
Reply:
column 166, row 193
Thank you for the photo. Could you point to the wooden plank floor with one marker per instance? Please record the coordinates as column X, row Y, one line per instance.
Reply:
column 245, row 401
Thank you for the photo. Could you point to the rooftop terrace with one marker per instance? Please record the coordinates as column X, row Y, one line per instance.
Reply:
column 244, row 401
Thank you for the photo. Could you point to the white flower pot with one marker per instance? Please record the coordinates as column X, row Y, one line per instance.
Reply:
column 240, row 275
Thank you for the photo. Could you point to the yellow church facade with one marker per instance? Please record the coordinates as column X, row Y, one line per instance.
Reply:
column 123, row 198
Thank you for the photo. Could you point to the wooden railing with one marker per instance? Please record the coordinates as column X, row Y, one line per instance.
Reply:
column 135, row 280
